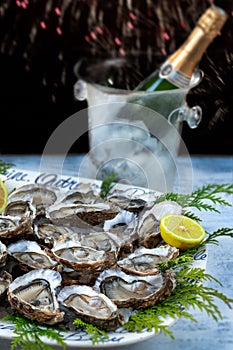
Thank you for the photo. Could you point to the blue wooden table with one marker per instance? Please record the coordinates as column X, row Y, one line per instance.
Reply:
column 206, row 334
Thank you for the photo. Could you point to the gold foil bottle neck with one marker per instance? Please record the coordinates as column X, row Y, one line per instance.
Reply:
column 212, row 20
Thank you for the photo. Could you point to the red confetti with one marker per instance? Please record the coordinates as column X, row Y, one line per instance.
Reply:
column 149, row 13
column 182, row 24
column 122, row 52
column 130, row 25
column 164, row 52
column 86, row 37
column 117, row 41
column 132, row 16
column 99, row 30
column 57, row 11
column 93, row 35
column 43, row 25
column 166, row 36
column 59, row 31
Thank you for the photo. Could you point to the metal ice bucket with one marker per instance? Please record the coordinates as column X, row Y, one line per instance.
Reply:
column 135, row 134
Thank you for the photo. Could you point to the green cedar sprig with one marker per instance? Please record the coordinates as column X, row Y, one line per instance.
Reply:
column 211, row 238
column 204, row 198
column 4, row 166
column 186, row 295
column 107, row 185
column 28, row 335
column 96, row 335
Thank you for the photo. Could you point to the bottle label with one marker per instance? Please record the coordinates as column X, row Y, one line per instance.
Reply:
column 176, row 77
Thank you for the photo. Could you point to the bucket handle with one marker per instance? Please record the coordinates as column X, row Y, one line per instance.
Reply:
column 192, row 115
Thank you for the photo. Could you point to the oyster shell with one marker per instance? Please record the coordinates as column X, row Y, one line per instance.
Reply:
column 135, row 291
column 148, row 222
column 82, row 194
column 5, row 280
column 30, row 256
column 14, row 227
column 34, row 296
column 87, row 261
column 40, row 196
column 144, row 261
column 20, row 208
column 50, row 234
column 73, row 214
column 3, row 253
column 123, row 227
column 128, row 203
column 91, row 306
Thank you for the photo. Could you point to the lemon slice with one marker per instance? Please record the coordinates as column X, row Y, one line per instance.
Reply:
column 3, row 196
column 181, row 232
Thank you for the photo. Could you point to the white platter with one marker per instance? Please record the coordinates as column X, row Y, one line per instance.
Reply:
column 80, row 339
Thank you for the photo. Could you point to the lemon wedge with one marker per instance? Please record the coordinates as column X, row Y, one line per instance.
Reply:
column 3, row 196
column 181, row 232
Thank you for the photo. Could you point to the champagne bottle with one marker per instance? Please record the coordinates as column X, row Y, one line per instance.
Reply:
column 177, row 70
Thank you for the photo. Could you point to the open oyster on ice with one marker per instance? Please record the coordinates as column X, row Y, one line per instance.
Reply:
column 21, row 208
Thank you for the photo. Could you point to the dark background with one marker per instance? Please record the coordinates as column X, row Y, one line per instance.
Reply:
column 41, row 41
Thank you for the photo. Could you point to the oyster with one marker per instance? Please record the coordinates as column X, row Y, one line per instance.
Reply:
column 34, row 296
column 50, row 234
column 20, row 208
column 30, row 256
column 148, row 222
column 91, row 306
column 73, row 214
column 40, row 196
column 135, row 291
column 14, row 227
column 87, row 261
column 82, row 194
column 144, row 261
column 127, row 203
